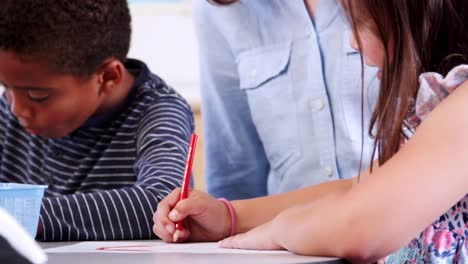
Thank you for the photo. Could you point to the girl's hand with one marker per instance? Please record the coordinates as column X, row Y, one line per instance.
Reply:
column 259, row 238
column 204, row 217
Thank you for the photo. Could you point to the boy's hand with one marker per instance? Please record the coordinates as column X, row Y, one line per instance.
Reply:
column 205, row 218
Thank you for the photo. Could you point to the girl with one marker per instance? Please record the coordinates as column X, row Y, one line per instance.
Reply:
column 414, row 203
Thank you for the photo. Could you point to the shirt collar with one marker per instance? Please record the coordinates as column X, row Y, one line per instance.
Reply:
column 324, row 13
column 141, row 76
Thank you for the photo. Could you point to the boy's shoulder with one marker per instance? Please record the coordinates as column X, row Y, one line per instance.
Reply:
column 150, row 88
column 153, row 100
column 156, row 106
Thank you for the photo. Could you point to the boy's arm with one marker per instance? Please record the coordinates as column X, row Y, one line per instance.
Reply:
column 126, row 213
column 236, row 166
column 4, row 110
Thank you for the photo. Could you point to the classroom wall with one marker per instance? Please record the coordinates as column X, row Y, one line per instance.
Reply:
column 164, row 37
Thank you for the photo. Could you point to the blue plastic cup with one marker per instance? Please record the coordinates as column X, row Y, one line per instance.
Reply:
column 23, row 202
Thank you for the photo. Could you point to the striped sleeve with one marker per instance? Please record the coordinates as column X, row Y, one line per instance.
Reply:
column 161, row 142
column 4, row 109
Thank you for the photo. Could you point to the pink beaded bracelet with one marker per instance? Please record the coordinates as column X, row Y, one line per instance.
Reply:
column 232, row 214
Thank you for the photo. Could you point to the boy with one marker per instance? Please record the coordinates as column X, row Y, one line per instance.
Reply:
column 108, row 137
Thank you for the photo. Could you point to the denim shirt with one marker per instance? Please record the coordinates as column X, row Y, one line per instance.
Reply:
column 281, row 96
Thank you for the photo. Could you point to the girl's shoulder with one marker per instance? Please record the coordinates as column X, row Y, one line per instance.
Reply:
column 433, row 89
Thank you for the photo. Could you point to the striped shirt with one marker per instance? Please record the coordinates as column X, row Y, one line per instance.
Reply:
column 107, row 177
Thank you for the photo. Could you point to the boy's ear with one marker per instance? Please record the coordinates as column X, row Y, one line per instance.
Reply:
column 111, row 75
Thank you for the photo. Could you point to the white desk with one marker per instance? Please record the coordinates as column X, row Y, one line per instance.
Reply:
column 175, row 258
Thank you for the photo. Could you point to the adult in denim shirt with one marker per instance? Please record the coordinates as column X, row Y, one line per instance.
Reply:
column 281, row 96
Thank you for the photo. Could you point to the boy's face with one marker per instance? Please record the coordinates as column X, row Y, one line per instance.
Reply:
column 45, row 103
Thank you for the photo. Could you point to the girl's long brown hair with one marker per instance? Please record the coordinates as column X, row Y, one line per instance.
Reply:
column 418, row 36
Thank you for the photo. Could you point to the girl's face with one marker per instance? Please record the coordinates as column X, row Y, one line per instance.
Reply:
column 371, row 48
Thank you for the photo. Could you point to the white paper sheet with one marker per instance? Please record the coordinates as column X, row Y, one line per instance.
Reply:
column 153, row 247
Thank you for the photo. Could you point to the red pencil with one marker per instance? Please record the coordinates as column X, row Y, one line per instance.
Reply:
column 186, row 180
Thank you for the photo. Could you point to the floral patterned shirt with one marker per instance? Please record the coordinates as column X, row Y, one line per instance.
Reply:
column 446, row 240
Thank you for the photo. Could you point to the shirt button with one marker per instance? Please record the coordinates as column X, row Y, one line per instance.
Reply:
column 317, row 104
column 328, row 171
column 253, row 74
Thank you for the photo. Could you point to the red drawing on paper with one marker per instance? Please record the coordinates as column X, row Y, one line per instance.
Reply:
column 136, row 248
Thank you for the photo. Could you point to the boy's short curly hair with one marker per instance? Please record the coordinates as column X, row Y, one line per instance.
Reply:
column 70, row 36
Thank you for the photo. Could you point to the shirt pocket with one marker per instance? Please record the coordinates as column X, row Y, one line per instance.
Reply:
column 264, row 76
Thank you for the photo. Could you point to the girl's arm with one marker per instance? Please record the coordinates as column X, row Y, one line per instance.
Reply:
column 207, row 219
column 266, row 208
column 253, row 212
column 392, row 206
